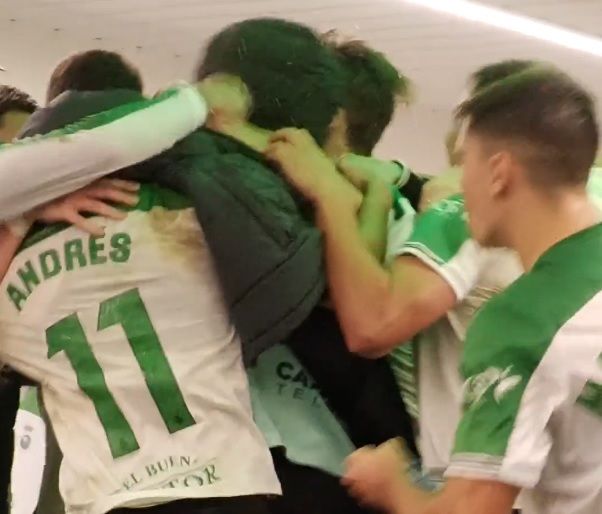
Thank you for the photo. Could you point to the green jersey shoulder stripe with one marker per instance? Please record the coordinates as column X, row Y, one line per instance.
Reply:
column 150, row 196
column 442, row 229
column 441, row 240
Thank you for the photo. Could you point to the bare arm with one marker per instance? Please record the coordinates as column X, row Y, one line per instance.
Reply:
column 459, row 496
column 375, row 179
column 373, row 219
column 378, row 308
column 379, row 478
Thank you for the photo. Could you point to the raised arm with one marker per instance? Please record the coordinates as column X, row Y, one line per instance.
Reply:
column 378, row 307
column 36, row 170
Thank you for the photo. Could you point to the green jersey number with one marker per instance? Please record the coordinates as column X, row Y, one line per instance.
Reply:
column 129, row 311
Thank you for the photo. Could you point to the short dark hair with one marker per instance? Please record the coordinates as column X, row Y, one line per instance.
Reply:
column 373, row 88
column 294, row 80
column 548, row 118
column 487, row 75
column 13, row 99
column 93, row 70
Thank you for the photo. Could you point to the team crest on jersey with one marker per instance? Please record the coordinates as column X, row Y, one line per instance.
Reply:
column 451, row 205
column 501, row 381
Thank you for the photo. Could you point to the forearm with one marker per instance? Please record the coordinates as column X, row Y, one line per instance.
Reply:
column 373, row 219
column 359, row 285
column 457, row 496
column 37, row 170
column 406, row 498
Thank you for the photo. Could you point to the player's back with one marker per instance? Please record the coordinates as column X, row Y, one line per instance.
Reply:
column 140, row 366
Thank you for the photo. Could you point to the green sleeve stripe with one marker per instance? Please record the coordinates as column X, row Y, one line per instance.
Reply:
column 150, row 197
column 423, row 251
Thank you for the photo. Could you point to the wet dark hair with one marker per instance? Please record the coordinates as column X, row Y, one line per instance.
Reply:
column 373, row 88
column 293, row 78
column 487, row 75
column 548, row 118
column 93, row 70
column 15, row 100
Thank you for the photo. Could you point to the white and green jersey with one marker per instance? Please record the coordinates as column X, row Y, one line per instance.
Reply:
column 36, row 170
column 441, row 240
column 139, row 364
column 533, row 394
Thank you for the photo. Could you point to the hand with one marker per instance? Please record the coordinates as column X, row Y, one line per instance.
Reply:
column 373, row 474
column 228, row 99
column 361, row 170
column 441, row 187
column 306, row 166
column 92, row 199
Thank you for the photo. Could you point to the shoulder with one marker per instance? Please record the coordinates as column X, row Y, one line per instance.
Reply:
column 518, row 312
column 441, row 240
column 524, row 320
column 441, row 230
column 450, row 211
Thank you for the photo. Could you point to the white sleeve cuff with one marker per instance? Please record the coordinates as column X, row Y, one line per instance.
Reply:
column 461, row 272
column 485, row 467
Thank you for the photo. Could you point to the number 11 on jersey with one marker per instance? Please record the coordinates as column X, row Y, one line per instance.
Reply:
column 129, row 311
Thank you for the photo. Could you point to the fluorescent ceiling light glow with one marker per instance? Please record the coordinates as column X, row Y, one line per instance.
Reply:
column 520, row 24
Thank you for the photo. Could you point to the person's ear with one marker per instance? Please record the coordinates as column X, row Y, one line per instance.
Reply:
column 501, row 174
column 337, row 142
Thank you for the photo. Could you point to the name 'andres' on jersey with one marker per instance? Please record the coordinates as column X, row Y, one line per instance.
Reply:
column 140, row 366
column 75, row 253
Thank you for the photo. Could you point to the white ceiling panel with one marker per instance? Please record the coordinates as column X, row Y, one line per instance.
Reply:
column 165, row 37
column 580, row 15
column 437, row 51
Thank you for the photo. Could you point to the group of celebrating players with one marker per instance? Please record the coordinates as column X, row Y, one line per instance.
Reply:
column 251, row 314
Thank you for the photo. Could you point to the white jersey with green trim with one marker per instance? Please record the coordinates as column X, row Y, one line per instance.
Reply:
column 441, row 240
column 139, row 364
column 533, row 394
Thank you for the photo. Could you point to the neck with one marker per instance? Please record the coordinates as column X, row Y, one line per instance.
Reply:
column 542, row 222
column 245, row 133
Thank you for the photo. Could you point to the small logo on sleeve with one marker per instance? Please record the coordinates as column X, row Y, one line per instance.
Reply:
column 499, row 381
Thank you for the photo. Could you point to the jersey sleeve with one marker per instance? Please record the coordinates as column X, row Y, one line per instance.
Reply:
column 509, row 399
column 441, row 240
column 39, row 169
